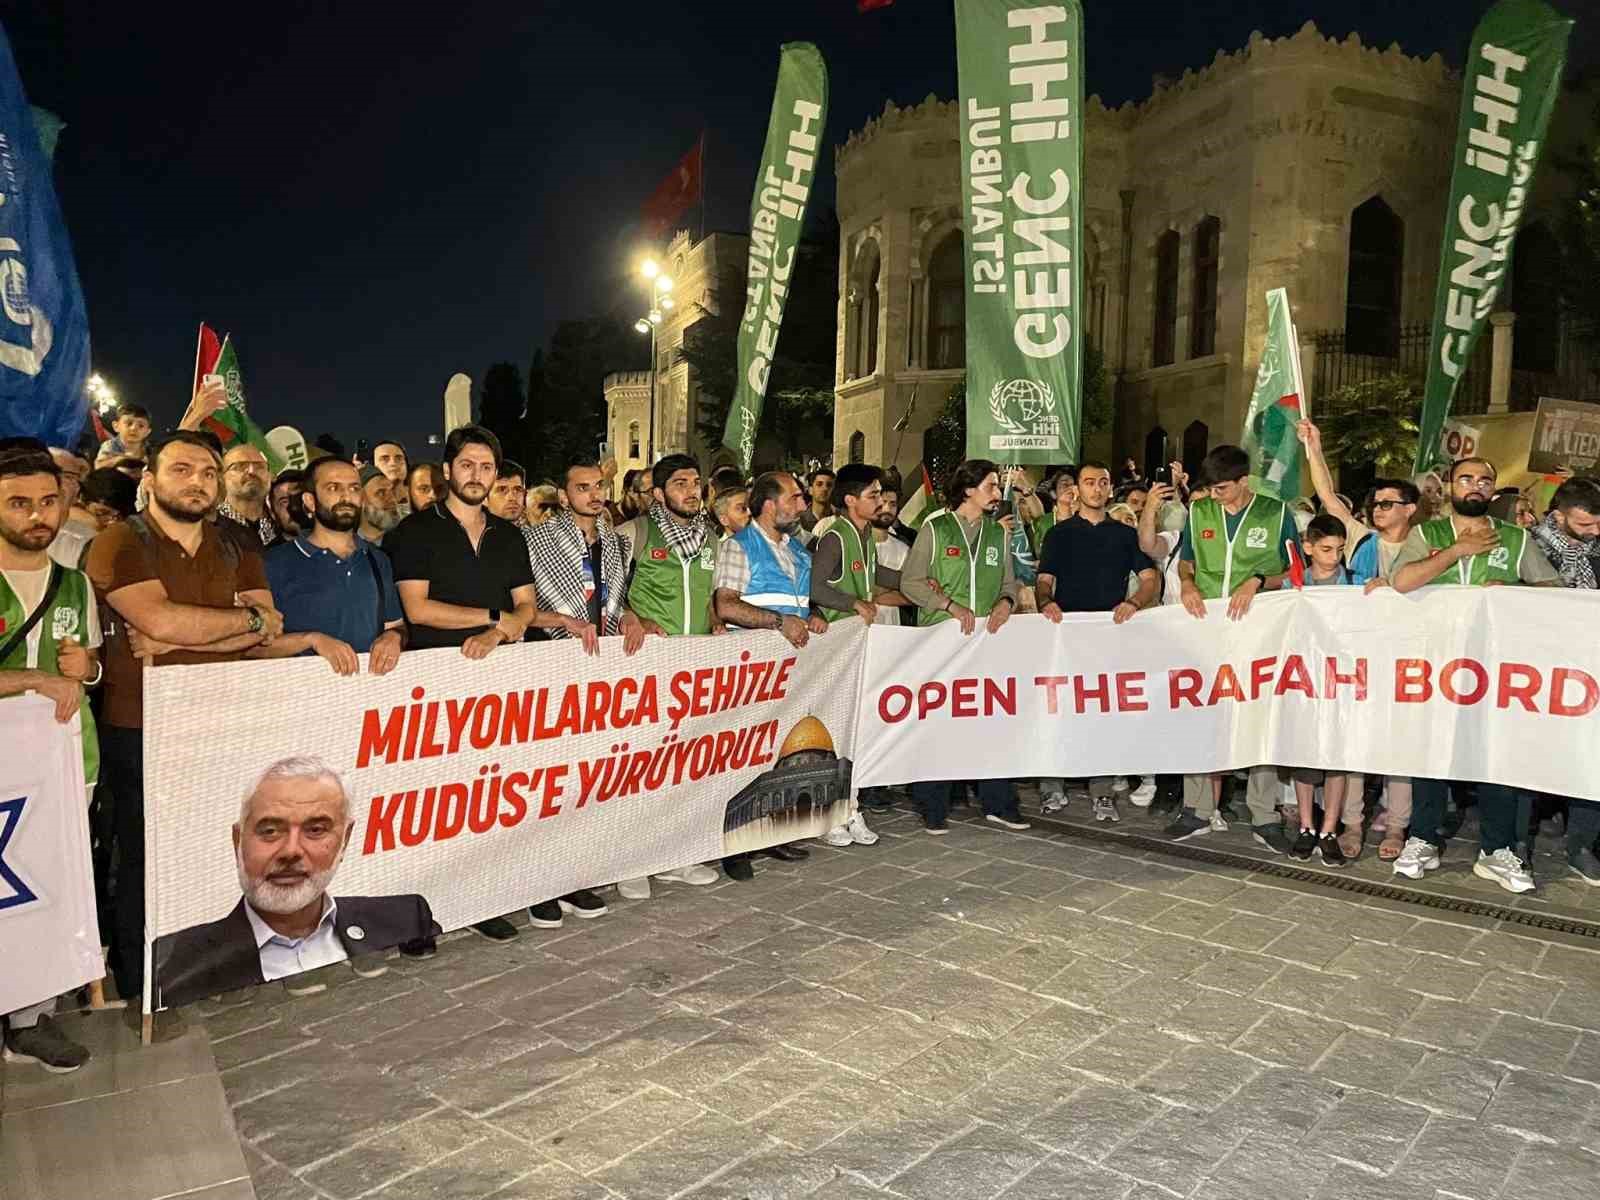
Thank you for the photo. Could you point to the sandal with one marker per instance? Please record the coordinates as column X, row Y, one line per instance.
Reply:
column 1389, row 849
column 1350, row 842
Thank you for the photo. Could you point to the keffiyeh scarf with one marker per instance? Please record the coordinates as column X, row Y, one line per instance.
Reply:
column 1573, row 559
column 557, row 550
column 685, row 538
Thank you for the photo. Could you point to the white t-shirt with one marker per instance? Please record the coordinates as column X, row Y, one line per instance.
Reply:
column 892, row 554
column 28, row 587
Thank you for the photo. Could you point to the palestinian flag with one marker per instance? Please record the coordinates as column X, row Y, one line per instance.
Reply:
column 1275, row 408
column 232, row 424
column 918, row 504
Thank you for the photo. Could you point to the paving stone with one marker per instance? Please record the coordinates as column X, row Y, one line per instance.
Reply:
column 1031, row 964
column 1215, row 1017
column 551, row 1181
column 1060, row 1178
column 1444, row 1025
column 706, row 1063
column 891, row 1138
column 813, row 1118
column 590, row 1026
column 1172, row 957
column 1055, row 1032
column 949, row 1069
column 1349, row 1183
column 491, row 1076
column 1451, row 1084
column 1544, row 1106
column 973, row 1167
column 1438, row 937
column 768, row 1175
column 1208, row 888
column 1137, row 908
column 1281, row 1100
column 1250, row 931
column 308, row 1121
column 1200, row 1077
column 1503, row 952
column 651, row 1043
column 1505, row 992
column 1369, row 1129
column 1584, row 1061
column 1554, row 1173
column 1375, row 1004
column 1088, row 982
column 600, row 1139
column 767, row 1081
column 1571, row 963
column 1175, row 1153
column 1462, row 1157
column 551, row 1003
column 1288, row 1039
column 1148, row 1000
column 398, row 1152
column 426, row 1038
column 1535, row 1045
column 1577, row 1005
column 1187, row 918
column 659, row 965
column 1020, row 1092
column 1096, row 1119
column 1310, row 945
column 726, row 989
column 1301, row 988
column 1441, row 977
column 848, row 1188
column 988, row 1009
column 1371, row 1061
column 1236, row 972
column 1126, row 1053
column 1373, row 959
column 1284, row 1167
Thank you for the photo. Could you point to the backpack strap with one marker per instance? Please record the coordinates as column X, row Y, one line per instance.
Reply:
column 51, row 587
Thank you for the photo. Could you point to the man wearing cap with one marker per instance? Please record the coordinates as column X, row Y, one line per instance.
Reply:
column 380, row 511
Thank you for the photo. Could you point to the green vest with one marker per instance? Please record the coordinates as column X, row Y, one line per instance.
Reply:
column 858, row 567
column 971, row 577
column 1042, row 525
column 673, row 592
column 1221, row 563
column 1501, row 565
column 68, row 616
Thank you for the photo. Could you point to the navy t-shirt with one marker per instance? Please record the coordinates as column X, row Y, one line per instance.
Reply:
column 319, row 592
column 1091, row 563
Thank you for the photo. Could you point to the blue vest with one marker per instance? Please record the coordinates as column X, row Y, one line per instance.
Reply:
column 1364, row 562
column 770, row 587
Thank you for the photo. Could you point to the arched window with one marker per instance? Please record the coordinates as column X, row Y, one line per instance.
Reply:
column 1203, row 312
column 947, row 305
column 863, row 313
column 858, row 447
column 1165, row 347
column 1372, row 304
column 633, row 439
column 1536, row 299
column 869, row 318
column 1155, row 451
column 1196, row 441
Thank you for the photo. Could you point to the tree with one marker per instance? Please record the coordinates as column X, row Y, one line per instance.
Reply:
column 1580, row 238
column 566, row 411
column 1373, row 422
column 501, row 401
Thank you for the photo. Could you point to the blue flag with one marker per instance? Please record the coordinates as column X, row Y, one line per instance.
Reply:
column 44, row 328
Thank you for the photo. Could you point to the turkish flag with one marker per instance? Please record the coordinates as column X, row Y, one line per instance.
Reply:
column 866, row 6
column 208, row 348
column 683, row 187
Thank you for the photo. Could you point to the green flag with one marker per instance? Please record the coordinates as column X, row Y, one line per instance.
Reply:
column 1021, row 71
column 1512, row 76
column 777, row 212
column 231, row 423
column 1269, row 426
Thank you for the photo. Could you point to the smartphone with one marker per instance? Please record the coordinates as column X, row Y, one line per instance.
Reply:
column 1163, row 475
column 1007, row 506
column 212, row 381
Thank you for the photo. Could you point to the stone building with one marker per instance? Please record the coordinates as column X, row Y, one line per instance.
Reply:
column 1318, row 165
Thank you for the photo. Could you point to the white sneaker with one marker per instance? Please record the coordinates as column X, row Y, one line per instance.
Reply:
column 1120, row 784
column 1505, row 868
column 1219, row 823
column 1142, row 795
column 369, row 966
column 634, row 889
column 839, row 835
column 695, row 874
column 1007, row 822
column 859, row 833
column 1419, row 855
column 1054, row 802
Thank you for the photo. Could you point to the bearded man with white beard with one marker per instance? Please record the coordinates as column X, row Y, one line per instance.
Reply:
column 293, row 828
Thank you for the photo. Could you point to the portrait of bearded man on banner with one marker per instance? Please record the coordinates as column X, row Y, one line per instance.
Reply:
column 293, row 828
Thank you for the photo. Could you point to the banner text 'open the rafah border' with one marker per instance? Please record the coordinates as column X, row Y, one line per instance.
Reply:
column 1512, row 77
column 777, row 215
column 1021, row 68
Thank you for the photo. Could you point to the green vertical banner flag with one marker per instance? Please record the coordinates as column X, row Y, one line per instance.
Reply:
column 231, row 423
column 1275, row 406
column 1021, row 69
column 777, row 212
column 1510, row 83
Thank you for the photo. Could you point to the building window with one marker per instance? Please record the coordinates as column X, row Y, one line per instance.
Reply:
column 633, row 439
column 1196, row 441
column 1536, row 299
column 858, row 447
column 1165, row 348
column 869, row 318
column 1203, row 313
column 1155, row 451
column 1372, row 305
column 947, row 305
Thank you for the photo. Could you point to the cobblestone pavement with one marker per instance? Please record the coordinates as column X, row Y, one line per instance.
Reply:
column 987, row 1014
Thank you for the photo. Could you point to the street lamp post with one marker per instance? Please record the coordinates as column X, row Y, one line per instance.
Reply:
column 658, row 288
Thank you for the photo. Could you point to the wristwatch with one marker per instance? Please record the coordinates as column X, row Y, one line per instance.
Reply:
column 255, row 622
column 494, row 616
column 1260, row 579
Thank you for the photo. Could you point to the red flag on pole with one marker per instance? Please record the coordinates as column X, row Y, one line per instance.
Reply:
column 682, row 188
column 206, row 352
column 866, row 6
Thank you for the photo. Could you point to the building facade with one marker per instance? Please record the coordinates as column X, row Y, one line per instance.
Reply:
column 1317, row 165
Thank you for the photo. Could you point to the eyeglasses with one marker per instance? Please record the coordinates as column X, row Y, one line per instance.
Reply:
column 1386, row 505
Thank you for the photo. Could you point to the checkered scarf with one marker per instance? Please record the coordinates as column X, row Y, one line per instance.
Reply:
column 685, row 538
column 1572, row 559
column 264, row 527
column 557, row 550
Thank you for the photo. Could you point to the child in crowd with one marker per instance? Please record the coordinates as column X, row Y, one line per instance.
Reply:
column 1323, row 542
column 131, row 430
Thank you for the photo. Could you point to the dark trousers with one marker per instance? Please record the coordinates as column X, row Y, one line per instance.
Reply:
column 998, row 796
column 1497, row 813
column 122, row 766
column 1583, row 825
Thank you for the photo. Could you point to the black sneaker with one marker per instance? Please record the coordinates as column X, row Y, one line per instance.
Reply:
column 938, row 828
column 419, row 948
column 739, row 868
column 583, row 903
column 1303, row 846
column 1187, row 825
column 1271, row 836
column 545, row 915
column 496, row 929
column 46, row 1045
column 1329, row 852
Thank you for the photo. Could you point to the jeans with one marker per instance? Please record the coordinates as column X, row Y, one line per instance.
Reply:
column 122, row 765
column 999, row 798
column 1497, row 813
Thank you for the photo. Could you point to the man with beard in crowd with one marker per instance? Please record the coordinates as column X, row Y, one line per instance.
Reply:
column 379, row 511
column 245, row 480
column 1569, row 535
column 424, row 485
column 1469, row 547
column 177, row 591
column 335, row 591
column 77, row 526
column 463, row 573
column 672, row 564
column 509, row 494
column 821, row 506
column 53, row 655
column 287, row 510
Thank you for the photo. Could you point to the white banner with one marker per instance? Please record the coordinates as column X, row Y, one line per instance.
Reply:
column 1491, row 684
column 49, row 938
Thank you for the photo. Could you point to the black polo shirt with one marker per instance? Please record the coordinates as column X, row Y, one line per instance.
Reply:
column 433, row 545
column 1091, row 563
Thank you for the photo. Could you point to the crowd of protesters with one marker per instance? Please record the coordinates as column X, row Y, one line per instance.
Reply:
column 174, row 549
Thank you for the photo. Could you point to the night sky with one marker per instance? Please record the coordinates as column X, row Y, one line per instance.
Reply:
column 373, row 197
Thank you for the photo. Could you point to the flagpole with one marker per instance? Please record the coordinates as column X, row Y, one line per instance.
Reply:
column 702, row 236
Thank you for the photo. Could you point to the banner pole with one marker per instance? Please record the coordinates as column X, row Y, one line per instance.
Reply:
column 147, row 1022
